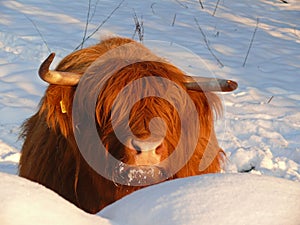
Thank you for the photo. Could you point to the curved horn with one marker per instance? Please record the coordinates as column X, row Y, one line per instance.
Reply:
column 209, row 84
column 56, row 77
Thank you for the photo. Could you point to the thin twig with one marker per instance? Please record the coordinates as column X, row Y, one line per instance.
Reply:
column 201, row 4
column 216, row 8
column 139, row 27
column 86, row 25
column 183, row 5
column 174, row 18
column 103, row 22
column 40, row 34
column 207, row 44
column 270, row 99
column 94, row 12
column 248, row 170
column 152, row 7
column 251, row 42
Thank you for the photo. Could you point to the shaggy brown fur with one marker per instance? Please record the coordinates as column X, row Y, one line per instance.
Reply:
column 50, row 155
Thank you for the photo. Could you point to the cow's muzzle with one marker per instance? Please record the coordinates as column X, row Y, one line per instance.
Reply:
column 143, row 175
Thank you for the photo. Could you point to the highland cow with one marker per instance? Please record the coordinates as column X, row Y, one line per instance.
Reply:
column 52, row 156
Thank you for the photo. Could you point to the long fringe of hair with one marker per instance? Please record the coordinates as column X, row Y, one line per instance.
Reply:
column 50, row 154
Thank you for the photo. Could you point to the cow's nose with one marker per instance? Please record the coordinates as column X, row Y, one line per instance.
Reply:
column 147, row 152
column 146, row 146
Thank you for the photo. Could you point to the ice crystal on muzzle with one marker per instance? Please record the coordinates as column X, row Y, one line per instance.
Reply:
column 142, row 175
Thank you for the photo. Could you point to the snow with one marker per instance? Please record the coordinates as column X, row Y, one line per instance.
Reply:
column 209, row 199
column 25, row 202
column 259, row 131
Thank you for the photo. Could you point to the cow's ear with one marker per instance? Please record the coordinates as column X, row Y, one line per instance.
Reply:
column 209, row 84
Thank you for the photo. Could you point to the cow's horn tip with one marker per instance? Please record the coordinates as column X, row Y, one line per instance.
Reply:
column 233, row 85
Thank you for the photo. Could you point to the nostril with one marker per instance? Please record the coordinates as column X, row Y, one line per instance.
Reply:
column 137, row 148
column 159, row 149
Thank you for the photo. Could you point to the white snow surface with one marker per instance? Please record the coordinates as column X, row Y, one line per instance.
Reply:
column 25, row 202
column 259, row 131
column 213, row 199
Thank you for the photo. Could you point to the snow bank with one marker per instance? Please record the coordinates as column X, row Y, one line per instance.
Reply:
column 23, row 202
column 211, row 199
column 230, row 199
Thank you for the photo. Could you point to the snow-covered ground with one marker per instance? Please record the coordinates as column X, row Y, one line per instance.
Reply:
column 230, row 199
column 24, row 202
column 260, row 129
column 211, row 199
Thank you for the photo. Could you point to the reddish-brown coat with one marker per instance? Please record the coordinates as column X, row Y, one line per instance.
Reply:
column 50, row 155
